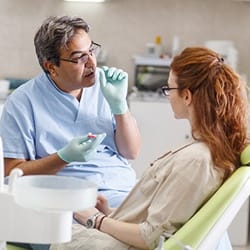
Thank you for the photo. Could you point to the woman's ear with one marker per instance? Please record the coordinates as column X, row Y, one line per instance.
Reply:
column 187, row 96
column 50, row 67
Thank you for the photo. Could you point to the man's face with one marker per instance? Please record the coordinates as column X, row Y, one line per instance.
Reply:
column 80, row 72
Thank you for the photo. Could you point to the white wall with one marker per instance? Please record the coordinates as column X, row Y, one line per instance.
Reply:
column 123, row 27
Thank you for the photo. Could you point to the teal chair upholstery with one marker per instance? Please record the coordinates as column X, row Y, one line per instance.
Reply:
column 205, row 228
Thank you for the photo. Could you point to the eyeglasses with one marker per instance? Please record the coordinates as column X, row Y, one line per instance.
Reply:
column 93, row 51
column 165, row 90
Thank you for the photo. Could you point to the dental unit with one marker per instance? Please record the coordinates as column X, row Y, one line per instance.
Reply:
column 39, row 208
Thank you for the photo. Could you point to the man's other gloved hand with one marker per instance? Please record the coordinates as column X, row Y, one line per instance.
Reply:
column 114, row 86
column 81, row 148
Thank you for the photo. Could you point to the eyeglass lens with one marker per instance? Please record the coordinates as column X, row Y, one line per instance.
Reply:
column 165, row 91
column 93, row 51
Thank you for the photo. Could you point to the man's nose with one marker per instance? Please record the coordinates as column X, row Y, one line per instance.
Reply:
column 91, row 60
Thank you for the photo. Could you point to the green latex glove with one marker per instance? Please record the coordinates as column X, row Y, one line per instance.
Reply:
column 114, row 86
column 81, row 148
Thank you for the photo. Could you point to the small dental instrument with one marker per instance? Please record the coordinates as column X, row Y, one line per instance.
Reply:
column 91, row 136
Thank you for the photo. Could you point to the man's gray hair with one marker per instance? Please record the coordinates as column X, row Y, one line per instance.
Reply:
column 55, row 33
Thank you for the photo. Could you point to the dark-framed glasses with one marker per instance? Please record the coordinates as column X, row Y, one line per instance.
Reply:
column 165, row 90
column 83, row 58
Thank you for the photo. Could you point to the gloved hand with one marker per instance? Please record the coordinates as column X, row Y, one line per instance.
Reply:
column 114, row 86
column 80, row 148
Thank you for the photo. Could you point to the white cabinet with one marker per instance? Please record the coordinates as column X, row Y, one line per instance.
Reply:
column 160, row 131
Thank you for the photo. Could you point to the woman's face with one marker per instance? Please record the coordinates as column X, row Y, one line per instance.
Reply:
column 178, row 101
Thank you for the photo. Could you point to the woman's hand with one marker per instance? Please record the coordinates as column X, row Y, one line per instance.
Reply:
column 102, row 205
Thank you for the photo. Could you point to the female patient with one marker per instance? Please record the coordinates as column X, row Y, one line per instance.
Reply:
column 211, row 96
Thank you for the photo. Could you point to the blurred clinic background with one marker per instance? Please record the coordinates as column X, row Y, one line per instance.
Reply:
column 125, row 28
column 139, row 36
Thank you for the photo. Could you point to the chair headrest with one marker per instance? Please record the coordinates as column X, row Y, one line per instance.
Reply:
column 245, row 156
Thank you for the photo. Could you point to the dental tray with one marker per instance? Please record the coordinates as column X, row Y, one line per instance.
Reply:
column 55, row 193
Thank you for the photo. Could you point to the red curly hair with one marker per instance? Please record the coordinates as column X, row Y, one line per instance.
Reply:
column 220, row 103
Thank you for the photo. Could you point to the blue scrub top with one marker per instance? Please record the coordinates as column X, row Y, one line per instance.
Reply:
column 38, row 119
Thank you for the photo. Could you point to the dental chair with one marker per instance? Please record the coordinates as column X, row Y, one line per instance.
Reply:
column 206, row 227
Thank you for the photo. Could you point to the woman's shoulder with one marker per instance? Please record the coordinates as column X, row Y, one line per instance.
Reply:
column 196, row 157
column 191, row 153
column 195, row 149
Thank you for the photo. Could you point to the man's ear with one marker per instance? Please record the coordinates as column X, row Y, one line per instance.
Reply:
column 50, row 67
column 188, row 96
